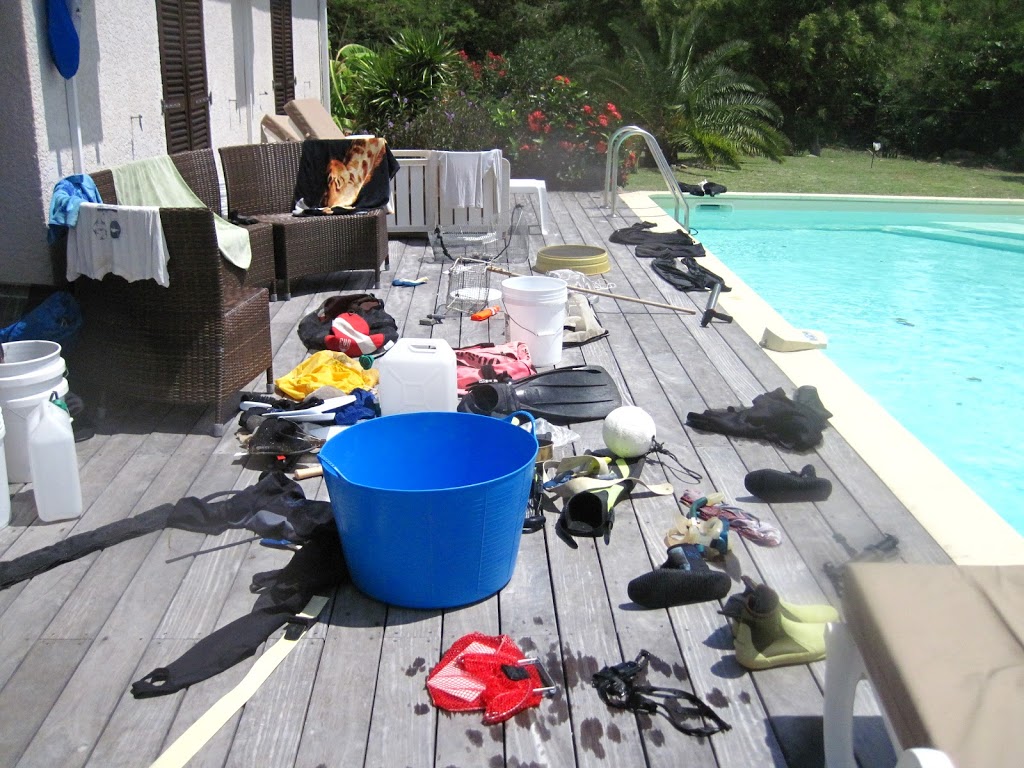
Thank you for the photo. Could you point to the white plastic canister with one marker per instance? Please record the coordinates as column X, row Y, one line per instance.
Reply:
column 418, row 375
column 31, row 370
column 535, row 311
column 5, row 495
column 54, row 463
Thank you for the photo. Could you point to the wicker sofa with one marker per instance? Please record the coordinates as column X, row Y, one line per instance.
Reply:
column 260, row 181
column 200, row 340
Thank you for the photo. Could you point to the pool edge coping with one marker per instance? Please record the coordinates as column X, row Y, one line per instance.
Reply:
column 959, row 520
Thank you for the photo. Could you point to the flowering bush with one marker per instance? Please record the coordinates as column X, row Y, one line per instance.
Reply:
column 549, row 127
column 483, row 78
column 566, row 133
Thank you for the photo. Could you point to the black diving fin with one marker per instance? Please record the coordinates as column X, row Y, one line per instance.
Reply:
column 562, row 396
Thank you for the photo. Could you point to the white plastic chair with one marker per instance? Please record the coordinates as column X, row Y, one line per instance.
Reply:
column 844, row 670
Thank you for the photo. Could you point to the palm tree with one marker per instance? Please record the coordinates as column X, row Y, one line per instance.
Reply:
column 689, row 101
column 398, row 82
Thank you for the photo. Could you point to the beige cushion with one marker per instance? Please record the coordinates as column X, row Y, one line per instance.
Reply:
column 312, row 119
column 279, row 128
column 944, row 647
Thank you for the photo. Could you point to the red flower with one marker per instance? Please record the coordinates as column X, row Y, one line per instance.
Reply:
column 587, row 109
column 603, row 120
column 601, row 147
column 562, row 79
column 611, row 108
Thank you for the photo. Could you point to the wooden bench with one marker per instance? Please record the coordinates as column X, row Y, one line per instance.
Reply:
column 417, row 200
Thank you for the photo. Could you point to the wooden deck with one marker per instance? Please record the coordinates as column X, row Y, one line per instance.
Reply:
column 352, row 694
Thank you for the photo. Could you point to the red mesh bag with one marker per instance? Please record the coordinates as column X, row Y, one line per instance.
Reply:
column 482, row 672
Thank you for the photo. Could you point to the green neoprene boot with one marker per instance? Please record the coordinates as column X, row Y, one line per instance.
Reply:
column 764, row 638
column 761, row 594
column 775, row 641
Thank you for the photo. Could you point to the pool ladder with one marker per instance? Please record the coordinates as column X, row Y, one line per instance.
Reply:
column 611, row 190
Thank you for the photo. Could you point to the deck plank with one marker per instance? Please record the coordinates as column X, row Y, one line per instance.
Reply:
column 353, row 692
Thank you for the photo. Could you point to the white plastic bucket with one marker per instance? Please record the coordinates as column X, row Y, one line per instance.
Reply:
column 30, row 372
column 418, row 375
column 535, row 312
column 5, row 495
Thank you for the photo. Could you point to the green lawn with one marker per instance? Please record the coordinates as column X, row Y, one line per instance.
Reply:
column 841, row 171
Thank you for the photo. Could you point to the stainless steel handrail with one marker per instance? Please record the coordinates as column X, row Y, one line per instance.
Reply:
column 611, row 189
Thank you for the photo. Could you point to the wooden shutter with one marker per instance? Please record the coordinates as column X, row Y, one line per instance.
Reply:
column 186, row 101
column 281, row 46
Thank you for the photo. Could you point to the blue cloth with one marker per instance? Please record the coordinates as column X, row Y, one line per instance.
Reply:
column 63, row 38
column 58, row 318
column 364, row 407
column 68, row 195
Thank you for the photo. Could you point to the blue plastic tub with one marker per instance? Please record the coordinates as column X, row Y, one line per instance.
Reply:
column 430, row 505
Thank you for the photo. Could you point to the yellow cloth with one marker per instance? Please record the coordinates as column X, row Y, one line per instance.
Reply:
column 326, row 368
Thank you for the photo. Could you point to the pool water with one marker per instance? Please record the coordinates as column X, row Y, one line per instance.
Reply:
column 924, row 312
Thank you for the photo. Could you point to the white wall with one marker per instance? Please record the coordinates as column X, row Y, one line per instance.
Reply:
column 227, row 30
column 262, row 60
column 306, row 41
column 119, row 93
column 120, row 88
column 23, row 254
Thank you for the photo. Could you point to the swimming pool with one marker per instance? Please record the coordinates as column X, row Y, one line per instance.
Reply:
column 923, row 305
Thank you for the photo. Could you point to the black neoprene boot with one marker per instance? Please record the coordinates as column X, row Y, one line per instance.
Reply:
column 774, row 485
column 683, row 579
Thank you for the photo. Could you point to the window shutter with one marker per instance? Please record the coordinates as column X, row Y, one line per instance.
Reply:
column 195, row 59
column 183, row 71
column 281, row 46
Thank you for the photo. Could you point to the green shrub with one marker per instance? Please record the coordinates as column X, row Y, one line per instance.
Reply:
column 420, row 94
column 393, row 86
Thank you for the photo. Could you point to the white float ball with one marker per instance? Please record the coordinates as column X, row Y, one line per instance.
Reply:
column 628, row 431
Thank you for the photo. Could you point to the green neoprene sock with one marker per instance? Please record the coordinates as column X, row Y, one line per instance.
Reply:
column 775, row 641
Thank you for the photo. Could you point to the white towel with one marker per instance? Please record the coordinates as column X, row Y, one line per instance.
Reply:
column 462, row 177
column 126, row 240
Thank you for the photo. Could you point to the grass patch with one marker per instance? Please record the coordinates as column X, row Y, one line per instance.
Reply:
column 846, row 172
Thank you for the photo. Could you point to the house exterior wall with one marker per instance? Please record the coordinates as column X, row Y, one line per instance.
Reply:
column 119, row 91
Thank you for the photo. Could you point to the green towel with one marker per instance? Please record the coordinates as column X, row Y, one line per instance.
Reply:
column 156, row 181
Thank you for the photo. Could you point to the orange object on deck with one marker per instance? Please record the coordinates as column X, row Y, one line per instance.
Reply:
column 483, row 314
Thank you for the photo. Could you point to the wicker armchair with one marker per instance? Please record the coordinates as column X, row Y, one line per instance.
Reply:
column 260, row 180
column 199, row 170
column 200, row 340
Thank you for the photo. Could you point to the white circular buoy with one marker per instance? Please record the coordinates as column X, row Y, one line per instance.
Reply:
column 628, row 431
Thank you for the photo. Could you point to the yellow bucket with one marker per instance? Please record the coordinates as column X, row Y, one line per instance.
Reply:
column 588, row 259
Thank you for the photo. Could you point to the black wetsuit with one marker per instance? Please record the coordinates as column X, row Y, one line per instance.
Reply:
column 795, row 424
column 275, row 507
